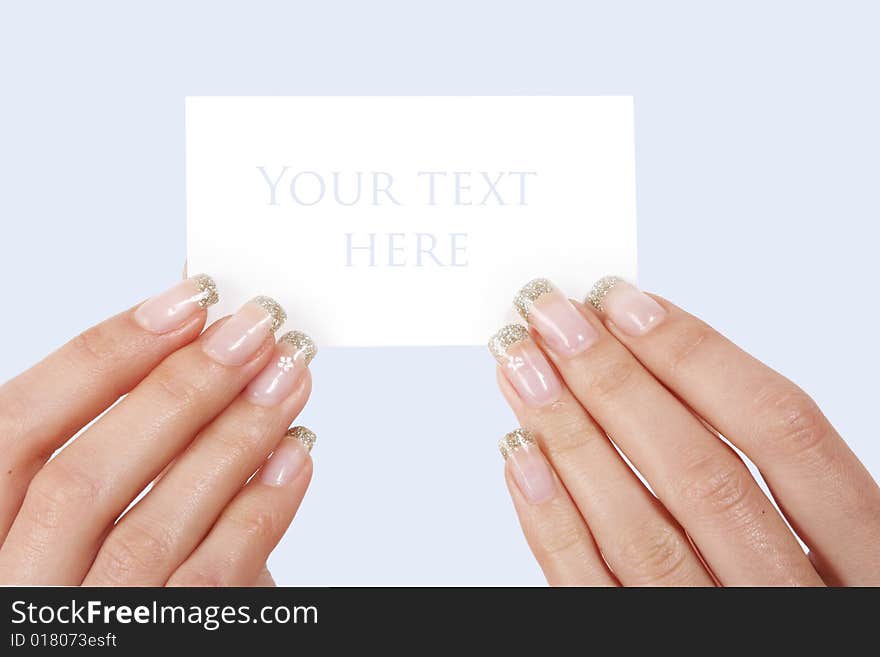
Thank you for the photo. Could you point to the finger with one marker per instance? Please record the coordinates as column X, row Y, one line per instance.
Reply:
column 154, row 537
column 236, row 549
column 46, row 405
column 640, row 541
column 823, row 488
column 265, row 579
column 554, row 530
column 75, row 497
column 698, row 478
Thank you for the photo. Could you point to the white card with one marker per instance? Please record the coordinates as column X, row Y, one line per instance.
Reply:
column 396, row 221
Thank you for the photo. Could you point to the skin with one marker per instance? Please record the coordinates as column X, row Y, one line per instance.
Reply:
column 184, row 425
column 664, row 396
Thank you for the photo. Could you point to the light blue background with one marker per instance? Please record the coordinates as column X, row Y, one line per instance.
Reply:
column 757, row 160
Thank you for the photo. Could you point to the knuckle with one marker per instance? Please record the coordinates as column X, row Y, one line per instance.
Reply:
column 688, row 344
column 721, row 486
column 179, row 385
column 655, row 554
column 612, row 377
column 558, row 534
column 790, row 420
column 57, row 492
column 14, row 412
column 236, row 442
column 261, row 525
column 133, row 550
column 96, row 345
column 561, row 542
column 569, row 437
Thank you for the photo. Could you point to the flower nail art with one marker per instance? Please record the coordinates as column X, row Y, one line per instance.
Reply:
column 281, row 376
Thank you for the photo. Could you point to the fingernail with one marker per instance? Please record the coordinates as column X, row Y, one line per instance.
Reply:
column 529, row 467
column 631, row 310
column 525, row 366
column 561, row 325
column 243, row 334
column 279, row 378
column 173, row 307
column 289, row 457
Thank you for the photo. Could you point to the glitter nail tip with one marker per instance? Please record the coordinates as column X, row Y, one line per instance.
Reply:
column 529, row 294
column 515, row 440
column 305, row 436
column 603, row 286
column 302, row 343
column 276, row 312
column 506, row 337
column 208, row 289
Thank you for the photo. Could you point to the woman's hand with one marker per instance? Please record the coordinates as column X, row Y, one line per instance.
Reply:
column 201, row 414
column 663, row 385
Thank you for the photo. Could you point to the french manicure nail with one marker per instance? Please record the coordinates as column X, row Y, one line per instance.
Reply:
column 631, row 310
column 289, row 457
column 525, row 366
column 561, row 325
column 279, row 378
column 529, row 467
column 173, row 307
column 241, row 335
